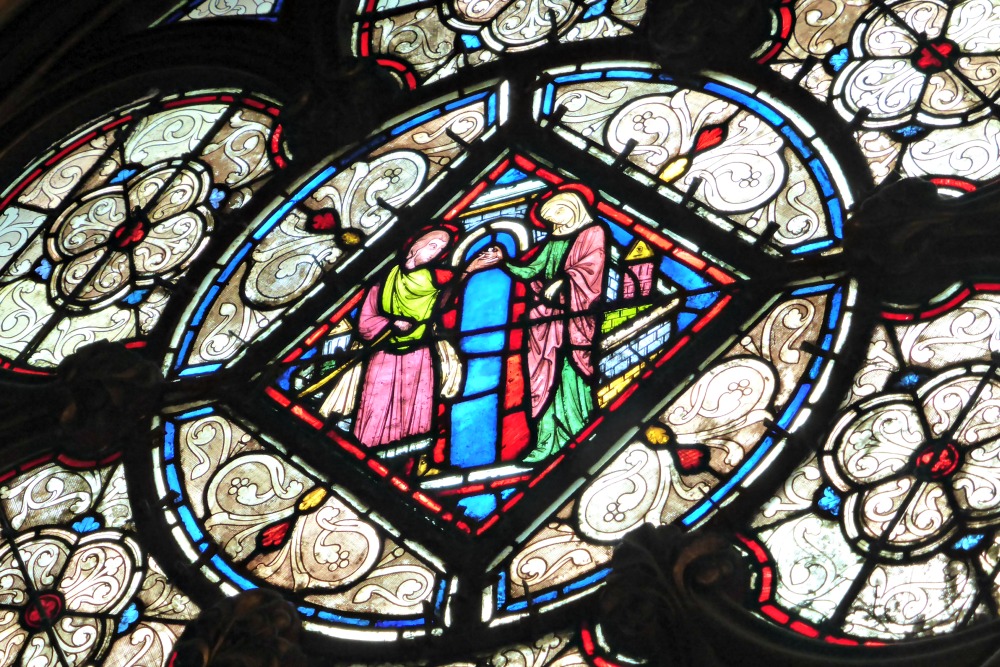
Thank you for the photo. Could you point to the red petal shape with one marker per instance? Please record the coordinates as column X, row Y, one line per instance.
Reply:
column 690, row 459
column 274, row 536
column 710, row 136
column 928, row 59
column 323, row 222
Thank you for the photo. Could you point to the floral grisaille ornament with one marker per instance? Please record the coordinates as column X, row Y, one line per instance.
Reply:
column 432, row 41
column 916, row 80
column 942, row 55
column 142, row 230
column 912, row 457
column 78, row 586
column 97, row 231
column 76, row 594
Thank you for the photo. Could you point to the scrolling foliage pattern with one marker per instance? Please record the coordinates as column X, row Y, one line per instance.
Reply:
column 743, row 167
column 324, row 224
column 77, row 586
column 889, row 531
column 95, row 235
column 197, row 10
column 691, row 453
column 238, row 494
column 421, row 44
column 917, row 78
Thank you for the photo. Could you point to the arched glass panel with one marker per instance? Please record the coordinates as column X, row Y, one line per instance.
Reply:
column 728, row 150
column 284, row 524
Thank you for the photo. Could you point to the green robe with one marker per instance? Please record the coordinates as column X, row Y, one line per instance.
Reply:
column 409, row 294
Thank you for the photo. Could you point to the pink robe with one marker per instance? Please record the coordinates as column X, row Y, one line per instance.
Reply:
column 397, row 398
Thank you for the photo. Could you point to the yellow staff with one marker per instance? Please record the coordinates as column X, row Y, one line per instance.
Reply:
column 340, row 369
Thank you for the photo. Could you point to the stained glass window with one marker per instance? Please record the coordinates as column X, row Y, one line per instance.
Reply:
column 426, row 379
column 456, row 365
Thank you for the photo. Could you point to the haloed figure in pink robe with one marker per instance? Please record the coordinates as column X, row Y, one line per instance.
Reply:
column 397, row 396
column 566, row 279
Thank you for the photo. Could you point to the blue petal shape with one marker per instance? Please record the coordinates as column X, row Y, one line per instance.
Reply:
column 87, row 524
column 123, row 175
column 471, row 41
column 129, row 617
column 285, row 379
column 909, row 380
column 217, row 197
column 830, row 501
column 838, row 59
column 44, row 269
column 136, row 297
column 968, row 542
column 596, row 9
column 909, row 131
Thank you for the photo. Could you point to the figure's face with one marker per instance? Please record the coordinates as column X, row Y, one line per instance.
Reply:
column 426, row 249
column 563, row 212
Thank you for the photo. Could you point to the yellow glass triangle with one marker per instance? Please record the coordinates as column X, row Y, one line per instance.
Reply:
column 639, row 250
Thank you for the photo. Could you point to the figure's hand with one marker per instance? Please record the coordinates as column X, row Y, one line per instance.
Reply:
column 403, row 326
column 487, row 257
column 551, row 292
